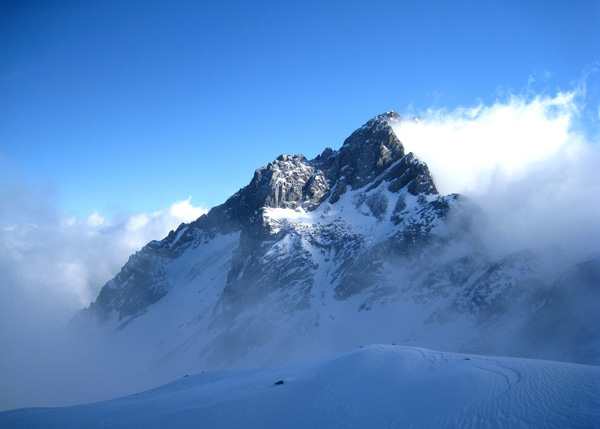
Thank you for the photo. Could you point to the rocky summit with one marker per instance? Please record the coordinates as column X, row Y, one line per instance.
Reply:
column 316, row 257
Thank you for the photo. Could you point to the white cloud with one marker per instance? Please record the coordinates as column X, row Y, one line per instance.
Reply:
column 158, row 224
column 50, row 267
column 94, row 220
column 186, row 211
column 524, row 161
column 64, row 261
column 468, row 147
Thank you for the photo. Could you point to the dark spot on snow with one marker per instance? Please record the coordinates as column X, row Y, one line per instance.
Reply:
column 467, row 359
column 186, row 376
column 279, row 382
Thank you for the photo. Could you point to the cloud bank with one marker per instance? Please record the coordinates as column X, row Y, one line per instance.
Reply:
column 525, row 160
column 67, row 259
column 50, row 267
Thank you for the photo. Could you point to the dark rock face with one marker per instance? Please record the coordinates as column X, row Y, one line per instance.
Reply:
column 364, row 156
column 292, row 182
column 288, row 182
column 140, row 284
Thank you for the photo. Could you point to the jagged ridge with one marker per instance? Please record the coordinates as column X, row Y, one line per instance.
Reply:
column 315, row 256
column 370, row 156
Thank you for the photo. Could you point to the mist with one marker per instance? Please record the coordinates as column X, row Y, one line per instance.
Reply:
column 531, row 166
column 51, row 266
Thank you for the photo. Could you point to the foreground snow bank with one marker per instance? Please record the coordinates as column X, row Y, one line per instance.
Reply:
column 372, row 386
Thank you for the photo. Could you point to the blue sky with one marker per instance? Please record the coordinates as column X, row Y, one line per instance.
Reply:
column 128, row 106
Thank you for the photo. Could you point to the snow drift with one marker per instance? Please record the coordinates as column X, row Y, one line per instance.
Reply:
column 374, row 386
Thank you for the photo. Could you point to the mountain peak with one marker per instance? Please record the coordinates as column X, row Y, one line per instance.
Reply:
column 374, row 153
column 366, row 157
column 335, row 248
column 376, row 127
column 390, row 117
column 371, row 160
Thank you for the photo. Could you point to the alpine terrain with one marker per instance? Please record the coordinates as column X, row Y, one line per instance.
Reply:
column 318, row 257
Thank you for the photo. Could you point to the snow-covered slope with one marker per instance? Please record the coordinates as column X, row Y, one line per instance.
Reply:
column 315, row 257
column 374, row 386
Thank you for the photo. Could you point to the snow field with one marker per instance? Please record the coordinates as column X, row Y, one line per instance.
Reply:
column 374, row 386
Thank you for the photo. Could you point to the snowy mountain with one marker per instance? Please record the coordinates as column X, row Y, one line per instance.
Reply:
column 374, row 386
column 316, row 257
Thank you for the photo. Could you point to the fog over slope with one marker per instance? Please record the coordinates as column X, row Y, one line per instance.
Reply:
column 50, row 267
column 523, row 161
